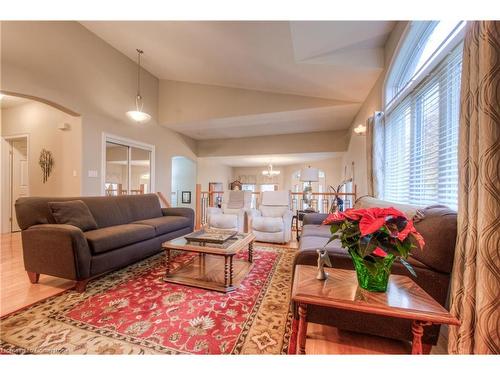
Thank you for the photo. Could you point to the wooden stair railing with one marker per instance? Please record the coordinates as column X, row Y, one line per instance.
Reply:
column 163, row 200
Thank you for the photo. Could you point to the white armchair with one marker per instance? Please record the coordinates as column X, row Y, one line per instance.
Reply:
column 272, row 222
column 233, row 212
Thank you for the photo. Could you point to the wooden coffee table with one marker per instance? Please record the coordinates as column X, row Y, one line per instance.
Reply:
column 403, row 299
column 214, row 268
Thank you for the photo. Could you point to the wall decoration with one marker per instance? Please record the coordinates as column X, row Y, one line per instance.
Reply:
column 46, row 162
column 235, row 185
column 186, row 197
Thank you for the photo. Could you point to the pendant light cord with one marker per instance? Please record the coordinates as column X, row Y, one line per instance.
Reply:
column 139, row 98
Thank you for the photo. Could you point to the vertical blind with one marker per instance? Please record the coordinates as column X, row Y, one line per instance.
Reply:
column 421, row 139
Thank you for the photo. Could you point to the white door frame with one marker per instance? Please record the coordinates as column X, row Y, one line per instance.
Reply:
column 107, row 137
column 6, row 198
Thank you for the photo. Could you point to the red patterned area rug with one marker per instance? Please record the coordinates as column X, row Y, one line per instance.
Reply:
column 133, row 311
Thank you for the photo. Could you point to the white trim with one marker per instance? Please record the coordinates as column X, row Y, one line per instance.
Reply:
column 6, row 195
column 107, row 137
column 394, row 57
column 434, row 60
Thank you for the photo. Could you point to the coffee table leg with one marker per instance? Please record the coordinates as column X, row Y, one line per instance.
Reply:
column 231, row 270
column 226, row 271
column 302, row 333
column 167, row 253
column 417, row 328
column 250, row 252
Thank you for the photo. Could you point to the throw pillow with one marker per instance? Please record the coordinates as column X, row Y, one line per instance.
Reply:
column 73, row 213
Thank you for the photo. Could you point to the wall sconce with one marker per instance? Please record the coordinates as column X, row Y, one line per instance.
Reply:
column 360, row 129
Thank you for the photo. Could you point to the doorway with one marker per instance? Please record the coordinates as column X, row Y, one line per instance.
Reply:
column 18, row 183
column 183, row 182
column 128, row 166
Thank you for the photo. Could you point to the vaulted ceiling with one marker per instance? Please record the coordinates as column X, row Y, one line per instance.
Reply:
column 333, row 60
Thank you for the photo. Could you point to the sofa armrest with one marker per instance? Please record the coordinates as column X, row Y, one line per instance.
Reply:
column 56, row 249
column 179, row 211
column 314, row 218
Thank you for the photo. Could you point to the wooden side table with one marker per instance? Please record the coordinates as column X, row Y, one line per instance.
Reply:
column 299, row 217
column 403, row 299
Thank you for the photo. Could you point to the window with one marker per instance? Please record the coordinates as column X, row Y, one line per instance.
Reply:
column 421, row 120
column 268, row 187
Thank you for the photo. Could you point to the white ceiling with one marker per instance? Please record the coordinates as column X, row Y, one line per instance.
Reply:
column 330, row 59
column 275, row 159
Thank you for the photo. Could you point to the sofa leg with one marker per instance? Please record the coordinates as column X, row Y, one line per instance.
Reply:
column 33, row 276
column 81, row 285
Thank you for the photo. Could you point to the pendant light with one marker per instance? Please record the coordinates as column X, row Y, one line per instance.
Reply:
column 138, row 115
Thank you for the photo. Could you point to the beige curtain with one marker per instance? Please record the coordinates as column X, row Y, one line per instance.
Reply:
column 475, row 294
column 375, row 154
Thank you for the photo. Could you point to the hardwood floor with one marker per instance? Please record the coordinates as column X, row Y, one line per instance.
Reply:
column 16, row 292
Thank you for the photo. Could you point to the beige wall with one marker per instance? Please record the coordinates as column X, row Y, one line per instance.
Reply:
column 356, row 150
column 276, row 144
column 212, row 171
column 41, row 122
column 67, row 64
column 254, row 175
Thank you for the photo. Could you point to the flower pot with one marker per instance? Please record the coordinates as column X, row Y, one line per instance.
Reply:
column 374, row 276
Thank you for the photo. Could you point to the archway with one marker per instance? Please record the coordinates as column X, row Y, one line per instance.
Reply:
column 32, row 127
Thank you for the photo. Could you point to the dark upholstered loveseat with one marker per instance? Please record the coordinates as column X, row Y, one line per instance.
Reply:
column 433, row 267
column 129, row 228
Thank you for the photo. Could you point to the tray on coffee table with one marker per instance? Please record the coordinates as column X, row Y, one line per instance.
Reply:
column 211, row 236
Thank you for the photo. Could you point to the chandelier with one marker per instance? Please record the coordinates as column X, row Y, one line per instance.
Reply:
column 269, row 172
column 138, row 115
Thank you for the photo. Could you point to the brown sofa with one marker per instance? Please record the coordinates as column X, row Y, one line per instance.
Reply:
column 129, row 228
column 433, row 267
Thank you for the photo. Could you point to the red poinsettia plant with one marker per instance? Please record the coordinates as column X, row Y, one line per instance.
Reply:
column 375, row 235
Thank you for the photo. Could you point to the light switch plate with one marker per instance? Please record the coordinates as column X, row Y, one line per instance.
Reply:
column 93, row 173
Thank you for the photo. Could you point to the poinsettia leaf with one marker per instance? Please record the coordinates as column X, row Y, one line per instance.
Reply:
column 408, row 266
column 334, row 228
column 367, row 244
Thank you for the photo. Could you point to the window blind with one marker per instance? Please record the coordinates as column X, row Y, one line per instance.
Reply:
column 421, row 139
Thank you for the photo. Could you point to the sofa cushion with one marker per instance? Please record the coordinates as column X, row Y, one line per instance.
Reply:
column 166, row 224
column 273, row 211
column 313, row 243
column 439, row 230
column 316, row 231
column 223, row 221
column 233, row 211
column 109, row 238
column 74, row 213
column 268, row 224
column 409, row 210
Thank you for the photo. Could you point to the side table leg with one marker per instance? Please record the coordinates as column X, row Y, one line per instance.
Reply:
column 250, row 252
column 167, row 268
column 302, row 333
column 417, row 328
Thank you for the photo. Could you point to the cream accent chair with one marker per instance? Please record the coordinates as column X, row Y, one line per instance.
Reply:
column 272, row 222
column 233, row 212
